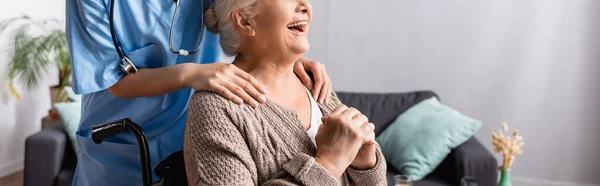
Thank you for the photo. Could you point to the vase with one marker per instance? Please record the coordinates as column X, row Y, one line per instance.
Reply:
column 504, row 177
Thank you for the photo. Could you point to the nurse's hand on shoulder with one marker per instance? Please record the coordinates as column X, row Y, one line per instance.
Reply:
column 322, row 84
column 227, row 80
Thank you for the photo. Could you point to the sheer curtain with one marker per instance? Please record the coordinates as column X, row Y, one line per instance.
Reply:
column 533, row 64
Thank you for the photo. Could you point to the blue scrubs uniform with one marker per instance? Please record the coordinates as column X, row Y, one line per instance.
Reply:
column 142, row 27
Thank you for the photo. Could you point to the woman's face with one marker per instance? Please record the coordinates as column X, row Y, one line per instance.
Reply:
column 283, row 25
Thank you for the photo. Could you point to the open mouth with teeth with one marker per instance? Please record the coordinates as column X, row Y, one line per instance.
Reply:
column 298, row 27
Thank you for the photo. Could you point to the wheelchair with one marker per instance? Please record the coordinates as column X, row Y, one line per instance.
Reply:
column 171, row 171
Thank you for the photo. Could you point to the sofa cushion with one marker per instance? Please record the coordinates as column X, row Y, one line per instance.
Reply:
column 383, row 108
column 420, row 138
column 70, row 113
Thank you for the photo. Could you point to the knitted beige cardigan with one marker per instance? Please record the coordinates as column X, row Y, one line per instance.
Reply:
column 230, row 144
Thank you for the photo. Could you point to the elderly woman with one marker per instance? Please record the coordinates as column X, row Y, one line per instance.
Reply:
column 285, row 141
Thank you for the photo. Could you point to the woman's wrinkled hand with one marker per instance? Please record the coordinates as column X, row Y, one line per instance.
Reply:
column 227, row 80
column 366, row 158
column 340, row 138
column 321, row 87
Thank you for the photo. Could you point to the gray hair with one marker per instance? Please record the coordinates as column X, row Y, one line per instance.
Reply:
column 219, row 21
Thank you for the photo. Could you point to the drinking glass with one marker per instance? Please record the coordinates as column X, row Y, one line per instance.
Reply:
column 402, row 180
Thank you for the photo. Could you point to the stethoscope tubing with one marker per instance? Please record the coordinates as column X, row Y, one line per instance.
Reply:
column 126, row 65
column 182, row 51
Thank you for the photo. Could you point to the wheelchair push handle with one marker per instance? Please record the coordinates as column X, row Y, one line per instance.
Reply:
column 107, row 130
column 100, row 132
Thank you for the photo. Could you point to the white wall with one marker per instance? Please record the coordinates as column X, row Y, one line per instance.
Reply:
column 21, row 118
column 530, row 63
column 534, row 64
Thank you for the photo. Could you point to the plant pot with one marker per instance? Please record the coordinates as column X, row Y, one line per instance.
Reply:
column 57, row 95
column 504, row 177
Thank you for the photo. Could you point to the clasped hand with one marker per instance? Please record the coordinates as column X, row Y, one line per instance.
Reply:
column 346, row 138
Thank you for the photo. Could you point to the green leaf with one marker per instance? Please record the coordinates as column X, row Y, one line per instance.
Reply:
column 32, row 55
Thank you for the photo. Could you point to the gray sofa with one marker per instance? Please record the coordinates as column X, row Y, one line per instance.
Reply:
column 50, row 159
column 469, row 160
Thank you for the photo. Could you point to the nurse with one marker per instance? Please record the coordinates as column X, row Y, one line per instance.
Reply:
column 157, row 95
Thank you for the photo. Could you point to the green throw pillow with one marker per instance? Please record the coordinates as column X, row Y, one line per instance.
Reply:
column 70, row 112
column 419, row 140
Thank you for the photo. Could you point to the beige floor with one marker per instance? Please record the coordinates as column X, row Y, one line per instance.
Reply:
column 15, row 179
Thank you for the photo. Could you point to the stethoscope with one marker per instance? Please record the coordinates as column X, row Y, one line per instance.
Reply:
column 126, row 65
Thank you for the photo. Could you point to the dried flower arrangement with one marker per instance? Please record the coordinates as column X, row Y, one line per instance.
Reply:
column 509, row 146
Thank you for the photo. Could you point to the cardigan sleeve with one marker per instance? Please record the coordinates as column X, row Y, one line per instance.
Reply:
column 375, row 176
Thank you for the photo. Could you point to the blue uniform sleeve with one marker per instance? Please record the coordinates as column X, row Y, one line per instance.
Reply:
column 94, row 60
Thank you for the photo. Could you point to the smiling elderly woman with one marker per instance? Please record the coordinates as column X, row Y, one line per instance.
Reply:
column 286, row 140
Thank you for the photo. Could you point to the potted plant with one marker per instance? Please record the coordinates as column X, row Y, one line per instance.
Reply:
column 35, row 46
column 509, row 147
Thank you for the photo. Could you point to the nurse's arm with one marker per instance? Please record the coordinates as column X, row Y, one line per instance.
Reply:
column 225, row 79
column 150, row 82
column 94, row 63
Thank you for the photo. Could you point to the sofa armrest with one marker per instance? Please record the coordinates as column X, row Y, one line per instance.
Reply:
column 470, row 159
column 44, row 154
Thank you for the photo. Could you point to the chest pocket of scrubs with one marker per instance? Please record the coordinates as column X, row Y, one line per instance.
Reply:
column 149, row 56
